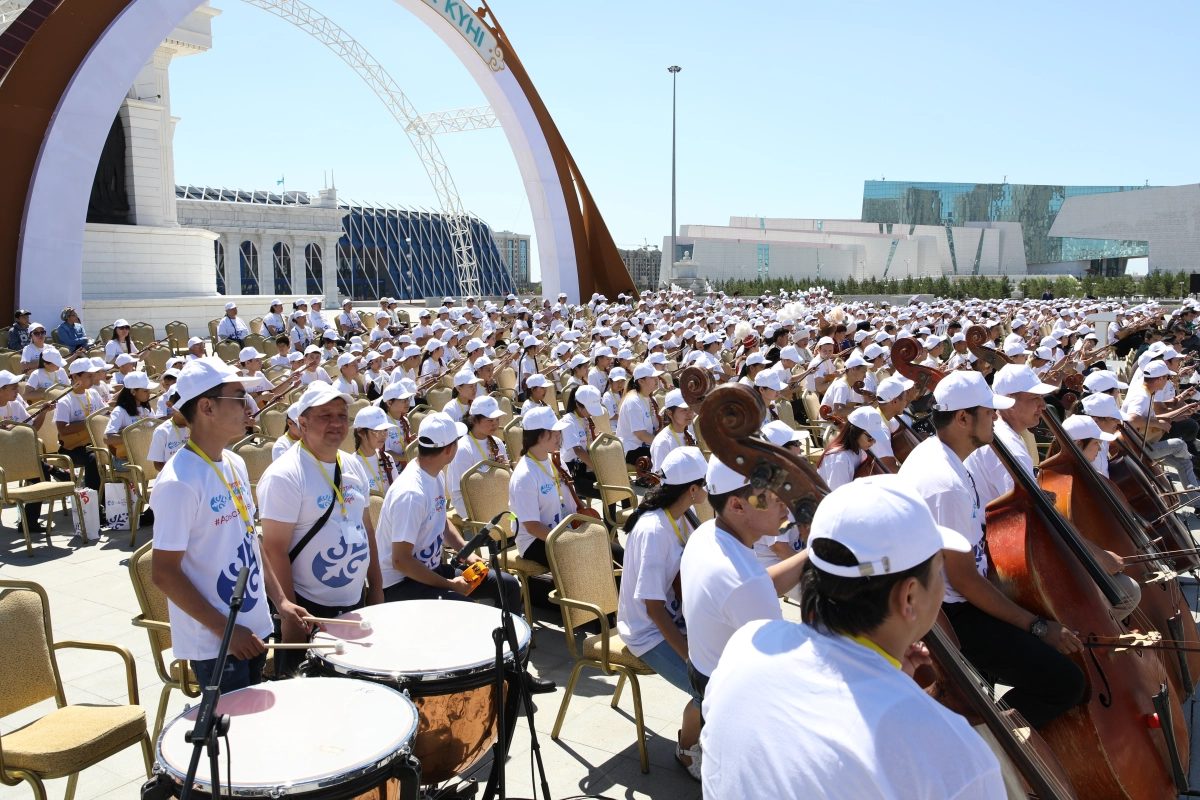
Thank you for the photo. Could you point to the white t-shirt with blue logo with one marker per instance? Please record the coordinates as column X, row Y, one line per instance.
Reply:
column 635, row 416
column 414, row 511
column 167, row 440
column 652, row 556
column 332, row 567
column 533, row 497
column 194, row 512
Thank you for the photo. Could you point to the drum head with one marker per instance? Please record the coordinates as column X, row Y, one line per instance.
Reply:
column 299, row 735
column 430, row 639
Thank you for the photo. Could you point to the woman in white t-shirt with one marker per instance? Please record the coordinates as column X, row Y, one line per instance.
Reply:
column 312, row 371
column 466, row 388
column 478, row 445
column 535, row 393
column 371, row 430
column 291, row 433
column 121, row 342
column 537, row 495
column 676, row 431
column 638, row 421
column 49, row 373
column 133, row 404
column 273, row 324
column 302, row 334
column 649, row 614
column 614, row 390
column 169, row 438
column 851, row 447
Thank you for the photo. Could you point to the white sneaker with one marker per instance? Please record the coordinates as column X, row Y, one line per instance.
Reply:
column 694, row 754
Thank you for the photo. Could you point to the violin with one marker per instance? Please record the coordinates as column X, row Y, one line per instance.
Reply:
column 730, row 415
column 1104, row 744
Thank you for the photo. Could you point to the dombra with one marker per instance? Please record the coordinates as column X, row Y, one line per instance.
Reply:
column 280, row 747
column 442, row 654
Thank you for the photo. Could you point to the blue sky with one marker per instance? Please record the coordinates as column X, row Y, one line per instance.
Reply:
column 784, row 108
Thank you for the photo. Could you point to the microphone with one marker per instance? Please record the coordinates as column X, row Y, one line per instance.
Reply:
column 239, row 588
column 460, row 560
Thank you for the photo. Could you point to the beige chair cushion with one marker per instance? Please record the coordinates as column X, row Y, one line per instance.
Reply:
column 524, row 565
column 44, row 490
column 618, row 652
column 65, row 740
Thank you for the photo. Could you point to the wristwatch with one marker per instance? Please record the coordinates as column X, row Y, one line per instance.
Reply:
column 1039, row 628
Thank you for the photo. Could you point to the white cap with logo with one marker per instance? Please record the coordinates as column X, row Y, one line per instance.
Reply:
column 684, row 465
column 541, row 418
column 440, row 430
column 960, row 390
column 720, row 479
column 318, row 394
column 1082, row 426
column 201, row 374
column 1014, row 378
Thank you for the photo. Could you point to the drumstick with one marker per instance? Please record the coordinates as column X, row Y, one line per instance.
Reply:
column 365, row 624
column 339, row 647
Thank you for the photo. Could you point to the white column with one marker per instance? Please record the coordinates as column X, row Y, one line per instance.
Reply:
column 299, row 275
column 233, row 262
column 329, row 268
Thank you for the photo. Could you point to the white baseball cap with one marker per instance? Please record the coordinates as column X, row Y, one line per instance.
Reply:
column 960, row 390
column 124, row 359
column 890, row 388
column 80, row 366
column 1082, row 426
column 645, row 370
column 541, row 418
column 276, row 302
column 684, row 465
column 230, row 306
column 1103, row 405
column 1013, row 378
column 755, row 358
column 791, row 353
column 536, row 380
column 884, row 523
column 249, row 353
column 486, row 406
column 617, row 374
column 589, row 397
column 294, row 357
column 674, row 399
column 870, row 420
column 855, row 360
column 8, row 379
column 399, row 390
column 373, row 418
column 316, row 301
column 312, row 348
column 53, row 356
column 778, row 433
column 1156, row 369
column 465, row 376
column 121, row 323
column 346, row 359
column 139, row 380
column 201, row 374
column 318, row 394
column 1015, row 349
column 440, row 430
column 770, row 379
column 720, row 479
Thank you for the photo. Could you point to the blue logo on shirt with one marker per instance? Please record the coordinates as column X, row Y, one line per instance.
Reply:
column 217, row 503
column 338, row 566
column 431, row 555
column 545, row 488
column 324, row 500
column 228, row 578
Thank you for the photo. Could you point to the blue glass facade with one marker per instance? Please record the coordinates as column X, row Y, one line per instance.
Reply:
column 1035, row 207
column 408, row 254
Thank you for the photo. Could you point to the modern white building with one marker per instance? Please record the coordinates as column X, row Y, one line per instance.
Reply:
column 837, row 249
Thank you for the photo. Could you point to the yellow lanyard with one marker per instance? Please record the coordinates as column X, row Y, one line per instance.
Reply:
column 867, row 643
column 682, row 539
column 479, row 447
column 676, row 435
column 553, row 477
column 377, row 478
column 178, row 435
column 586, row 437
column 237, row 501
column 338, row 458
column 84, row 403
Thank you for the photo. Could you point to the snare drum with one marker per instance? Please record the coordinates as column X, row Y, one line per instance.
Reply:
column 442, row 653
column 318, row 738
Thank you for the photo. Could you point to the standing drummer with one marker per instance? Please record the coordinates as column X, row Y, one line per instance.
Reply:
column 204, row 534
column 314, row 505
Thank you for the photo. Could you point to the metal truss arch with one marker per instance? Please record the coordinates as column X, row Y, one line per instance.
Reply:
column 367, row 67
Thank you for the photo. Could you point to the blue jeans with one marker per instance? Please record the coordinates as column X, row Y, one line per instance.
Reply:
column 239, row 673
column 663, row 659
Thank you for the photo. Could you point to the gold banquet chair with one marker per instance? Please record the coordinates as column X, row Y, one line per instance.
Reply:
column 154, row 618
column 69, row 739
column 256, row 452
column 439, row 397
column 612, row 478
column 585, row 586
column 21, row 460
column 272, row 422
column 485, row 494
column 137, row 438
column 513, row 435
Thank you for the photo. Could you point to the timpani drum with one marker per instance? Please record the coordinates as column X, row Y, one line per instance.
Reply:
column 442, row 653
column 318, row 738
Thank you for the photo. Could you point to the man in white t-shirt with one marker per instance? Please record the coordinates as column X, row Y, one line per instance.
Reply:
column 858, row 725
column 724, row 584
column 231, row 325
column 314, row 506
column 204, row 534
column 1016, row 647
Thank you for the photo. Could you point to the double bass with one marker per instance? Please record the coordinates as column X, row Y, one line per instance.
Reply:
column 731, row 414
column 1108, row 744
column 871, row 465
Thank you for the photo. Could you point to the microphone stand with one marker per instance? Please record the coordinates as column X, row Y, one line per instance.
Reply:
column 208, row 725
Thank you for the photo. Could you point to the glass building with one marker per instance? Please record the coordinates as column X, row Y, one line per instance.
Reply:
column 1035, row 207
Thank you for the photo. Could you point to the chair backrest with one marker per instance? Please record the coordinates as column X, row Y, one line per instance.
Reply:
column 273, row 374
column 704, row 511
column 485, row 491
column 415, row 415
column 376, row 508
column 97, row 421
column 513, row 434
column 104, row 336
column 410, row 450
column 151, row 599
column 331, row 369
column 703, row 445
column 608, row 461
column 438, row 398
column 356, row 405
column 14, row 363
column 506, row 379
column 142, row 334
column 551, row 399
column 581, row 563
column 178, row 333
column 293, row 395
column 259, row 343
column 506, row 406
column 256, row 452
column 156, row 360
column 212, row 331
column 137, row 439
column 256, row 325
column 28, row 673
column 19, row 454
column 784, row 409
column 48, row 432
column 272, row 422
column 227, row 351
column 812, row 407
column 603, row 423
column 368, row 319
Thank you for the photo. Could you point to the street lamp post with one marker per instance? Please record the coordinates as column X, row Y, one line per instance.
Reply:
column 670, row 264
column 408, row 255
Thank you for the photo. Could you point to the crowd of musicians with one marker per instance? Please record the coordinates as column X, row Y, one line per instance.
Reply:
column 700, row 602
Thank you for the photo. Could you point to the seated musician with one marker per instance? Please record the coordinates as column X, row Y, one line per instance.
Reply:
column 312, row 371
column 602, row 359
column 318, row 321
column 892, row 397
column 347, row 372
column 204, row 533
column 479, row 443
column 70, row 413
column 863, row 428
column 1003, row 640
column 231, row 326
column 466, row 388
column 273, row 324
column 280, row 359
column 291, row 433
column 992, row 479
column 31, row 353
column 649, row 615
column 865, row 729
column 676, row 429
column 13, row 408
column 840, row 396
column 789, row 539
column 329, row 345
column 724, row 584
column 770, row 384
column 639, row 420
column 348, row 322
column 302, row 334
column 50, row 372
column 582, row 406
column 1104, row 411
column 1139, row 408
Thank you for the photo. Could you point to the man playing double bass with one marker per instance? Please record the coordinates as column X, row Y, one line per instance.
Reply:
column 1002, row 640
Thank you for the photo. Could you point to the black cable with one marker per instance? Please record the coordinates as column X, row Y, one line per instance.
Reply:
column 228, row 764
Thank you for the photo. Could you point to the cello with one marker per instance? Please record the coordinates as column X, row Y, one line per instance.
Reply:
column 1143, row 493
column 731, row 414
column 1105, row 744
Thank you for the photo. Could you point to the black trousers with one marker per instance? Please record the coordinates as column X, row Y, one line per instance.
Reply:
column 82, row 457
column 633, row 455
column 1045, row 682
column 584, row 479
column 492, row 585
column 287, row 662
column 1185, row 429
